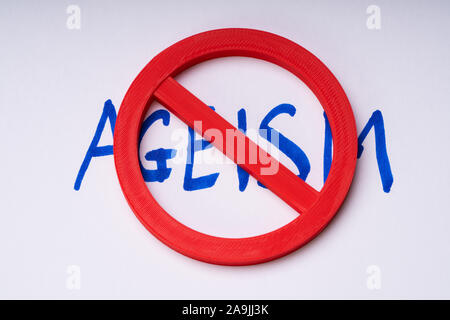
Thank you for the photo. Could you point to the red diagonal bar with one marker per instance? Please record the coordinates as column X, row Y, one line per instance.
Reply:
column 285, row 184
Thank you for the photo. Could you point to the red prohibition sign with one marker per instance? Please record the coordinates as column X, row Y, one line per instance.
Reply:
column 156, row 81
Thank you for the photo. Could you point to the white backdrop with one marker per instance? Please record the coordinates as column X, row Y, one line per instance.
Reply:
column 56, row 242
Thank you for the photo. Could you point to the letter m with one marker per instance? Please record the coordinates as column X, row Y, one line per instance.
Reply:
column 376, row 122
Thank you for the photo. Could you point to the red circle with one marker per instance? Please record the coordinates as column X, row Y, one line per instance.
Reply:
column 222, row 43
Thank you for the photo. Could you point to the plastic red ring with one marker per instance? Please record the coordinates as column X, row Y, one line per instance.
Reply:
column 222, row 43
